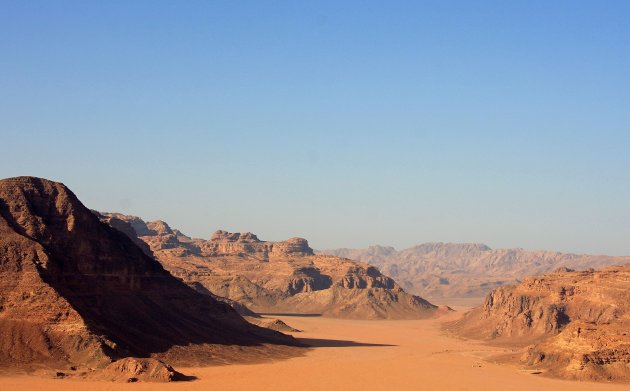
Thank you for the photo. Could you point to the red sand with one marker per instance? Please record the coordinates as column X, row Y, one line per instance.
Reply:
column 422, row 358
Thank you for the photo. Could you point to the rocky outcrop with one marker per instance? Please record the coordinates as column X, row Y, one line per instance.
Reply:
column 467, row 270
column 131, row 370
column 75, row 291
column 366, row 277
column 292, row 246
column 159, row 227
column 227, row 243
column 126, row 227
column 285, row 276
column 271, row 323
column 307, row 279
column 575, row 323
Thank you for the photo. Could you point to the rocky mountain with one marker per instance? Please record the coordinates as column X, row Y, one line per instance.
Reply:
column 75, row 292
column 277, row 277
column 575, row 324
column 460, row 270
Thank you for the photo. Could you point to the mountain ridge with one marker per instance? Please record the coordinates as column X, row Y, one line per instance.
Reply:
column 284, row 276
column 440, row 270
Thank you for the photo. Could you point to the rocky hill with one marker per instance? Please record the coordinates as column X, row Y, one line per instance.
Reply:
column 277, row 277
column 464, row 270
column 75, row 292
column 574, row 324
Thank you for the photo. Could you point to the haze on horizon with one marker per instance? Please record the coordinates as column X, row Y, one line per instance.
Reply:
column 347, row 124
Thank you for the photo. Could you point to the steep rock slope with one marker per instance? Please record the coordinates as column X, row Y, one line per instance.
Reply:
column 74, row 291
column 577, row 324
column 280, row 277
column 447, row 270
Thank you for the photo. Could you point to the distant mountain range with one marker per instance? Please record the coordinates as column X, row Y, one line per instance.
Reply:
column 466, row 270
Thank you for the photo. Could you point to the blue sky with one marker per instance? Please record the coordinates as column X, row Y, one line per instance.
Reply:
column 348, row 123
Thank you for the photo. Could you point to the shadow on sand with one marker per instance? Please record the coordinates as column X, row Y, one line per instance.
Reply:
column 180, row 377
column 272, row 314
column 337, row 343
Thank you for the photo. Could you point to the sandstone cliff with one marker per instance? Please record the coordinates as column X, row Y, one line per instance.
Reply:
column 577, row 324
column 277, row 277
column 76, row 292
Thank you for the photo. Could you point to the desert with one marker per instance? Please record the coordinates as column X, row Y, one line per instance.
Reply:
column 355, row 355
column 326, row 195
column 91, row 298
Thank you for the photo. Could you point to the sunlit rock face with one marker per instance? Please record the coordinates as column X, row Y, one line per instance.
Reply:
column 576, row 323
column 283, row 276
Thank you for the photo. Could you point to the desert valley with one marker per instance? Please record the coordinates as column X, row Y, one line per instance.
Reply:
column 99, row 299
column 329, row 195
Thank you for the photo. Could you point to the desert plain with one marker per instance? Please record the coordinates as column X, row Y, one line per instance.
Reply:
column 353, row 355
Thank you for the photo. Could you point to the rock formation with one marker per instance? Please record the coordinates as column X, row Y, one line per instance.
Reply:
column 575, row 324
column 226, row 243
column 279, row 277
column 465, row 270
column 131, row 370
column 76, row 292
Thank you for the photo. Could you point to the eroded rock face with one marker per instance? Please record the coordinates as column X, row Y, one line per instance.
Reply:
column 307, row 279
column 285, row 277
column 126, row 227
column 159, row 227
column 227, row 243
column 576, row 322
column 75, row 291
column 292, row 246
column 467, row 270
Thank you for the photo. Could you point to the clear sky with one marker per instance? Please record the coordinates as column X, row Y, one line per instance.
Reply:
column 349, row 123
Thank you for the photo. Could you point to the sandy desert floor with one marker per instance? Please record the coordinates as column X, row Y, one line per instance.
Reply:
column 352, row 355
